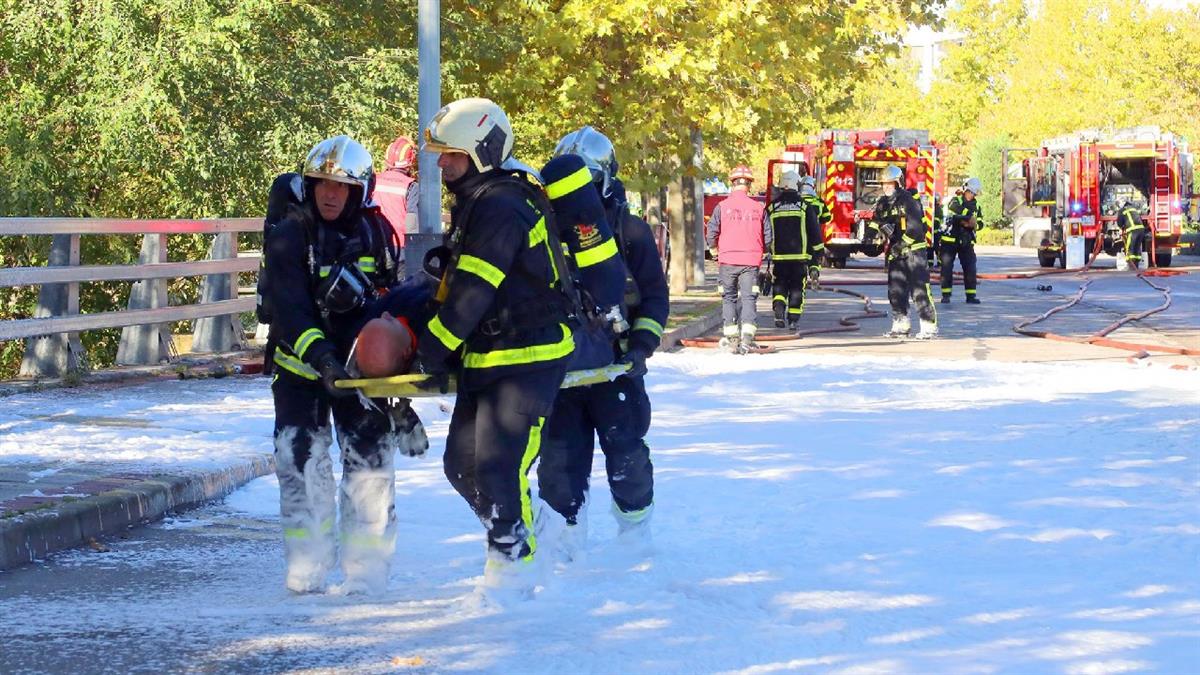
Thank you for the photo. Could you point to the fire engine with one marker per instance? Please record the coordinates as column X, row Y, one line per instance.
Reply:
column 1075, row 185
column 848, row 168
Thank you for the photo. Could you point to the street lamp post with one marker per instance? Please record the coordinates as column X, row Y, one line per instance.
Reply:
column 429, row 101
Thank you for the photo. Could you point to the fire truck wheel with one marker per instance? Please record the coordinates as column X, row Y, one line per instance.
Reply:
column 1047, row 258
column 1163, row 258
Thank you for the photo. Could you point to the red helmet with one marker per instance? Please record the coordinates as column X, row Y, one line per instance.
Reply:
column 741, row 172
column 402, row 153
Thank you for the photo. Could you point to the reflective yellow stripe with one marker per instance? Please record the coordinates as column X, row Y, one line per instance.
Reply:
column 819, row 247
column 521, row 355
column 595, row 256
column 779, row 298
column 294, row 365
column 481, row 268
column 532, row 448
column 565, row 186
column 367, row 265
column 303, row 532
column 648, row 324
column 786, row 214
column 792, row 256
column 948, row 239
column 796, row 310
column 324, row 272
column 730, row 330
column 443, row 334
column 538, row 234
column 306, row 340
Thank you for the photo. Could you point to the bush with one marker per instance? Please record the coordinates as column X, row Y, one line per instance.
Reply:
column 994, row 236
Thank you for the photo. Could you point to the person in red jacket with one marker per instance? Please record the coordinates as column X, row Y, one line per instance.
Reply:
column 396, row 188
column 738, row 235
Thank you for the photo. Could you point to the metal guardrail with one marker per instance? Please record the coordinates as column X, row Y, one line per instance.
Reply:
column 145, row 338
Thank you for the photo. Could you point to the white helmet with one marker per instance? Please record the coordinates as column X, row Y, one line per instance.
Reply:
column 790, row 180
column 475, row 127
column 973, row 185
column 597, row 152
column 894, row 174
column 808, row 186
column 342, row 159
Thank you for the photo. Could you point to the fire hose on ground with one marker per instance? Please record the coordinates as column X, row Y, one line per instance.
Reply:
column 846, row 323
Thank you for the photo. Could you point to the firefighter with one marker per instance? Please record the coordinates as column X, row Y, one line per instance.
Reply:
column 396, row 188
column 1134, row 230
column 738, row 235
column 958, row 239
column 900, row 220
column 322, row 259
column 808, row 192
column 502, row 326
column 618, row 411
column 796, row 244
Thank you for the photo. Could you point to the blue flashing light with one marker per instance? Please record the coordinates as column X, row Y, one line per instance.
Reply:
column 1076, row 207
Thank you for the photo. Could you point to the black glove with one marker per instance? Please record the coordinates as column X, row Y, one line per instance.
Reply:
column 411, row 441
column 437, row 372
column 636, row 358
column 331, row 371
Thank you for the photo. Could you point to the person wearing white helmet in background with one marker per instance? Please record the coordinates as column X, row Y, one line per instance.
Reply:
column 324, row 258
column 501, row 328
column 963, row 218
column 900, row 220
column 796, row 245
column 739, row 235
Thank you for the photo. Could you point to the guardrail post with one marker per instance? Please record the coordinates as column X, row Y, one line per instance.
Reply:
column 219, row 333
column 62, row 353
column 147, row 344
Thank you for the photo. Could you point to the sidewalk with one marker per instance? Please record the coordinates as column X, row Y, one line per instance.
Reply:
column 79, row 464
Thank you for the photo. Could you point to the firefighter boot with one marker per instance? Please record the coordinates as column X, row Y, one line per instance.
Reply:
column 946, row 299
column 730, row 344
column 633, row 527
column 900, row 326
column 747, row 344
column 929, row 330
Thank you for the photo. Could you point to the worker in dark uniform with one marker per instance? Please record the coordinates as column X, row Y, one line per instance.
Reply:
column 323, row 261
column 502, row 327
column 900, row 221
column 808, row 192
column 958, row 239
column 1134, row 229
column 796, row 244
column 618, row 411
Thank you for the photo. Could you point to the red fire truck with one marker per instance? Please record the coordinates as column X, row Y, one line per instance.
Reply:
column 848, row 168
column 1079, row 182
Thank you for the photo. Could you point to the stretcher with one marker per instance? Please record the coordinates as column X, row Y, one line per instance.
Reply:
column 416, row 386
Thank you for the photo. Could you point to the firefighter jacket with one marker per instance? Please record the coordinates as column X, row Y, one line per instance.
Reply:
column 649, row 304
column 795, row 227
column 500, row 307
column 961, row 210
column 823, row 213
column 739, row 230
column 902, row 221
column 1130, row 219
column 301, row 252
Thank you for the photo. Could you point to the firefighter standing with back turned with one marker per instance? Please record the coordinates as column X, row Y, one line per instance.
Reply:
column 796, row 246
column 738, row 235
column 502, row 325
column 963, row 217
column 900, row 220
column 1134, row 229
column 618, row 411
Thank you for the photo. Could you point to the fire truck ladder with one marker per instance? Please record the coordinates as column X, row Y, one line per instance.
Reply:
column 1161, row 191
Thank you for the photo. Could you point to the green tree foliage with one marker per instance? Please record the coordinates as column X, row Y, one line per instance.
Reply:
column 985, row 165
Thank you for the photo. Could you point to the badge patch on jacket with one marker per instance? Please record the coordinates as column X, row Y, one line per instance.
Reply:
column 589, row 236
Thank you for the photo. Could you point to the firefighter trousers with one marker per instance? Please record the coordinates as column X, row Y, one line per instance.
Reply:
column 966, row 257
column 617, row 411
column 739, row 299
column 1135, row 245
column 495, row 435
column 791, row 280
column 908, row 276
column 368, row 438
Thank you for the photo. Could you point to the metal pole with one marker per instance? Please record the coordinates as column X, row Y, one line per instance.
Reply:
column 429, row 95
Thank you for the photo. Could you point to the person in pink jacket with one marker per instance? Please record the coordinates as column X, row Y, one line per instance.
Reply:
column 396, row 188
column 738, row 235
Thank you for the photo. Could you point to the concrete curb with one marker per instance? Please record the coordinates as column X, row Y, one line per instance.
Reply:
column 32, row 536
column 692, row 329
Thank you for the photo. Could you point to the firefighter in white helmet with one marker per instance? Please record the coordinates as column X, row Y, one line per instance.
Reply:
column 739, row 234
column 963, row 218
column 900, row 220
column 501, row 327
column 796, row 246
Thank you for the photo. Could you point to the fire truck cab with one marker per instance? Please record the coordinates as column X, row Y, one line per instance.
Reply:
column 848, row 166
column 1079, row 182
